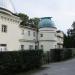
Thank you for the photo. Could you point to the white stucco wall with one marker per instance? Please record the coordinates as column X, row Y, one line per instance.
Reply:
column 26, row 36
column 12, row 36
column 60, row 39
column 47, row 45
column 16, row 36
column 27, row 39
column 27, row 45
column 49, row 39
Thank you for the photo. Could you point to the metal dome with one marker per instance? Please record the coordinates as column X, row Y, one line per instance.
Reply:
column 46, row 22
column 7, row 4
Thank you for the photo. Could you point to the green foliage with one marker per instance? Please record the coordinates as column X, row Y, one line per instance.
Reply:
column 60, row 54
column 20, row 60
column 67, row 53
column 46, row 57
column 67, row 41
column 73, row 25
column 32, row 22
column 24, row 19
column 35, row 22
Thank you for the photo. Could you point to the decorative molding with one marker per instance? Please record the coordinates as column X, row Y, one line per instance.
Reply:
column 9, row 19
column 23, row 40
column 48, row 40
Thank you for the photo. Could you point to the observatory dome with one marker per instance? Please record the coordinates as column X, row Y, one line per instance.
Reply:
column 46, row 22
column 7, row 5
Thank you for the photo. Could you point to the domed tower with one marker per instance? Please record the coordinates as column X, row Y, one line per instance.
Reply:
column 47, row 34
column 6, row 6
column 9, row 27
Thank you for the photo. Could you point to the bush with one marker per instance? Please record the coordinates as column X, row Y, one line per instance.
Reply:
column 60, row 54
column 46, row 57
column 67, row 54
column 20, row 60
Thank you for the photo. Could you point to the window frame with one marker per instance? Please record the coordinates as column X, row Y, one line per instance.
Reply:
column 4, row 28
column 28, row 33
column 22, row 47
column 30, row 47
column 34, row 34
column 42, row 46
column 41, row 35
column 22, row 32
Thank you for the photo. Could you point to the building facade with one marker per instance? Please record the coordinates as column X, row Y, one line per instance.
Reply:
column 28, row 38
column 13, row 37
column 9, row 30
column 49, row 37
column 60, row 36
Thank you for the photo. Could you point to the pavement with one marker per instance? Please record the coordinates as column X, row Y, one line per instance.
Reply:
column 61, row 68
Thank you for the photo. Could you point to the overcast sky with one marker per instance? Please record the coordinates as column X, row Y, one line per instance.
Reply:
column 62, row 11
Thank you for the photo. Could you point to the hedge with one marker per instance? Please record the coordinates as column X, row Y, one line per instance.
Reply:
column 15, row 61
column 60, row 54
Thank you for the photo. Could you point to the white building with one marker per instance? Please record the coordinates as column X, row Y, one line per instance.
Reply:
column 12, row 37
column 28, row 38
column 9, row 28
column 60, row 36
column 49, row 37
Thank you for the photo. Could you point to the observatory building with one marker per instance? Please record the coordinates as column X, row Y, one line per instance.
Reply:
column 9, row 27
column 49, row 36
column 13, row 37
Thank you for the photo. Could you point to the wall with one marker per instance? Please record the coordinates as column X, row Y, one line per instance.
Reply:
column 12, row 36
column 60, row 37
column 27, row 39
column 49, row 39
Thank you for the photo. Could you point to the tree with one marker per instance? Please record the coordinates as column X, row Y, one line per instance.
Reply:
column 73, row 25
column 24, row 18
column 34, row 22
column 69, row 39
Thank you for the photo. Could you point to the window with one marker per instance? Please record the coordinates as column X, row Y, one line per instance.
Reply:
column 3, row 47
column 28, row 33
column 22, row 32
column 4, row 28
column 30, row 47
column 41, row 46
column 22, row 47
column 41, row 35
column 3, row 44
column 34, row 34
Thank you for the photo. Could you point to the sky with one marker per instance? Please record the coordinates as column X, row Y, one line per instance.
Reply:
column 62, row 11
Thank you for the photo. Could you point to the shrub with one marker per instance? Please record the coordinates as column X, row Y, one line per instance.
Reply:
column 20, row 60
column 60, row 54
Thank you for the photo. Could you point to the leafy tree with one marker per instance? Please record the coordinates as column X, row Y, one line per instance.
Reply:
column 24, row 18
column 69, row 39
column 34, row 22
column 73, row 25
